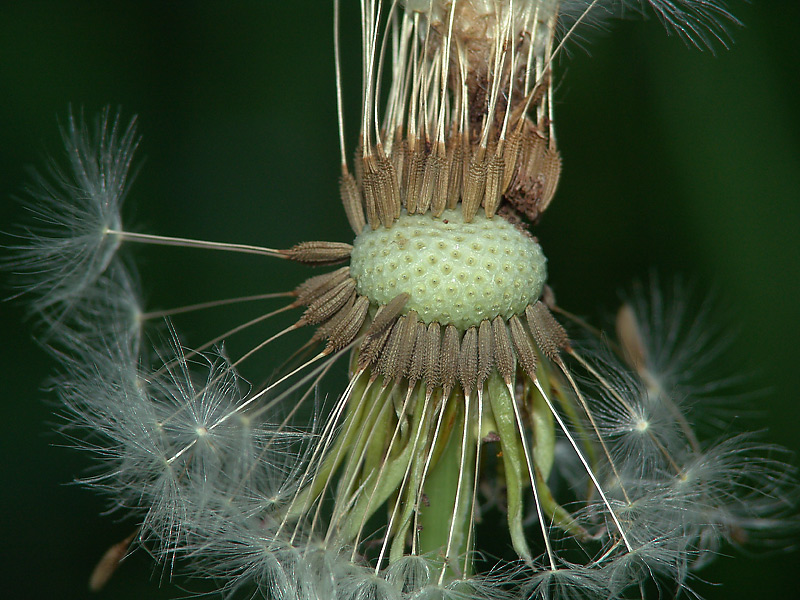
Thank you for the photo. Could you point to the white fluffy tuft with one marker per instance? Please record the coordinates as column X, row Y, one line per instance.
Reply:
column 66, row 247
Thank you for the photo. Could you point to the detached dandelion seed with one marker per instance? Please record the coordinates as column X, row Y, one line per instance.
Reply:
column 465, row 387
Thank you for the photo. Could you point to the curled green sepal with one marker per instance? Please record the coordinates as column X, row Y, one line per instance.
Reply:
column 384, row 479
column 543, row 451
column 513, row 461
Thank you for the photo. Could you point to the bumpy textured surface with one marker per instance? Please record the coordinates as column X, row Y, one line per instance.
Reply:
column 455, row 272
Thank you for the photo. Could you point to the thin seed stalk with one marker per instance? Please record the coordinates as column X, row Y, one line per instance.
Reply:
column 421, row 438
column 356, row 411
column 554, row 385
column 441, row 490
column 544, row 442
column 382, row 481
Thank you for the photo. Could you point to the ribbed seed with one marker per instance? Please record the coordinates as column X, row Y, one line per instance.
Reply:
column 417, row 365
column 313, row 287
column 548, row 333
column 325, row 329
column 449, row 359
column 408, row 159
column 432, row 370
column 503, row 351
column 390, row 190
column 387, row 363
column 440, row 197
column 324, row 307
column 416, row 173
column 408, row 337
column 468, row 361
column 387, row 314
column 525, row 350
column 495, row 172
column 535, row 146
column 474, row 185
column 371, row 186
column 528, row 185
column 434, row 180
column 371, row 348
column 551, row 172
column 510, row 158
column 455, row 162
column 348, row 328
column 430, row 173
column 485, row 352
column 358, row 162
column 319, row 253
column 400, row 160
column 351, row 199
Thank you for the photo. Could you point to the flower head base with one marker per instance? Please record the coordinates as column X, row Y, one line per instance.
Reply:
column 454, row 272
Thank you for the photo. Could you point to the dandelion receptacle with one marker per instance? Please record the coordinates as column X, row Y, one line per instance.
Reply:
column 471, row 395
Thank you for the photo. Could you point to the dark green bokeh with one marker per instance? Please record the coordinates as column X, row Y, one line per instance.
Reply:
column 675, row 160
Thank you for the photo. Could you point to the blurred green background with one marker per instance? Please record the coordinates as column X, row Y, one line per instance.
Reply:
column 676, row 160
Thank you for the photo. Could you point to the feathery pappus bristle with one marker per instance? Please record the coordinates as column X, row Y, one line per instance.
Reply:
column 67, row 247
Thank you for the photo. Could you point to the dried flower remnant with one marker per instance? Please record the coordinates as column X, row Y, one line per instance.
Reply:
column 464, row 388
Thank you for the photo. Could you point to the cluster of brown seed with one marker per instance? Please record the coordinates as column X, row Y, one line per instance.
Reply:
column 399, row 346
column 467, row 118
column 420, row 174
column 402, row 347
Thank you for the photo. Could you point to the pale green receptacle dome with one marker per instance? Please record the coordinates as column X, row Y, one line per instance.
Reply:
column 455, row 272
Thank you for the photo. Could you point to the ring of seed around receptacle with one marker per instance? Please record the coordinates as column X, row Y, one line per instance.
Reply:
column 455, row 272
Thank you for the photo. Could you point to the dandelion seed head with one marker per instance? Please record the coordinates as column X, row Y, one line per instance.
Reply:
column 108, row 313
column 362, row 583
column 411, row 573
column 570, row 582
column 465, row 391
column 680, row 346
column 634, row 421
